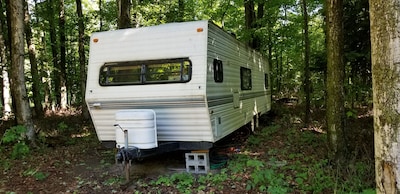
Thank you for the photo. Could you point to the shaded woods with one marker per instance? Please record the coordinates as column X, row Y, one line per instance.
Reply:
column 319, row 53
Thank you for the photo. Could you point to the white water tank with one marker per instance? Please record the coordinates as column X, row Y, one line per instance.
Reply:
column 141, row 127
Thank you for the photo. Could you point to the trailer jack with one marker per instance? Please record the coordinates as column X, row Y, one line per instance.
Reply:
column 125, row 156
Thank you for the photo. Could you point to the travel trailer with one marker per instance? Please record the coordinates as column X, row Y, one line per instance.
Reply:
column 176, row 86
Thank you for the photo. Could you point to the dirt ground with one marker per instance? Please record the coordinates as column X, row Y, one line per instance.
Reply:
column 74, row 161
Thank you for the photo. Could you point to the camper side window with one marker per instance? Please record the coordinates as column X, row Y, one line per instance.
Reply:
column 266, row 81
column 146, row 72
column 120, row 73
column 218, row 71
column 245, row 78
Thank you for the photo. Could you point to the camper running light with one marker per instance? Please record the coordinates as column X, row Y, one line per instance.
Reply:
column 199, row 29
column 95, row 40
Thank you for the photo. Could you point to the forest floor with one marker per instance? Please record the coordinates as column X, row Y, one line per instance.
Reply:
column 280, row 157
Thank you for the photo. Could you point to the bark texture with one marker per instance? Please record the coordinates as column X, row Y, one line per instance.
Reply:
column 124, row 14
column 250, row 20
column 385, row 55
column 82, row 58
column 335, row 78
column 37, row 100
column 63, row 60
column 54, row 53
column 18, row 88
column 5, row 83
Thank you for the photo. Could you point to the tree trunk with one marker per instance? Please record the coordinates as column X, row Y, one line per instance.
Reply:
column 5, row 81
column 385, row 55
column 6, row 93
column 100, row 13
column 82, row 59
column 124, row 14
column 37, row 100
column 279, row 67
column 62, row 65
column 306, row 83
column 181, row 10
column 335, row 79
column 250, row 19
column 54, row 52
column 22, row 112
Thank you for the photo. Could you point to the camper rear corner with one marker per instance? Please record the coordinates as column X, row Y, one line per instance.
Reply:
column 160, row 68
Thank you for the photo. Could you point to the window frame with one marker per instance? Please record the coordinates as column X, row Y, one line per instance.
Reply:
column 245, row 76
column 218, row 71
column 266, row 80
column 148, row 69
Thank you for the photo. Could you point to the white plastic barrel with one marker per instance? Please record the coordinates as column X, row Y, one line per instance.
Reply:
column 141, row 127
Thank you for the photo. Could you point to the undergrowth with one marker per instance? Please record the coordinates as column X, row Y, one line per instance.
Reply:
column 15, row 140
column 281, row 158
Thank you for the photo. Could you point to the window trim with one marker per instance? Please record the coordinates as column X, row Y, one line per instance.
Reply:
column 144, row 67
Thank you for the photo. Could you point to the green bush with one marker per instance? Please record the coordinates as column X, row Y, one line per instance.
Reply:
column 16, row 138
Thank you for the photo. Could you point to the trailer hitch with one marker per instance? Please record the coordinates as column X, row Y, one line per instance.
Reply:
column 127, row 154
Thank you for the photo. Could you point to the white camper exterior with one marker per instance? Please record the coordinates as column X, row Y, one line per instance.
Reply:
column 201, row 83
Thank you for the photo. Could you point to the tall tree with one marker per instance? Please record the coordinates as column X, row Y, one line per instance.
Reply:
column 54, row 51
column 63, row 62
column 6, row 100
column 250, row 20
column 306, row 82
column 100, row 13
column 18, row 88
column 37, row 100
column 181, row 10
column 335, row 78
column 82, row 59
column 124, row 14
column 385, row 44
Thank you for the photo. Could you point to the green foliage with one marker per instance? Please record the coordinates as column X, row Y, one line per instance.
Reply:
column 181, row 181
column 62, row 126
column 267, row 180
column 351, row 114
column 15, row 137
column 267, row 131
column 254, row 140
column 302, row 170
column 186, row 183
column 14, row 134
column 20, row 150
column 357, row 51
column 355, row 177
column 35, row 173
column 237, row 164
column 320, row 174
column 213, row 179
column 113, row 181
